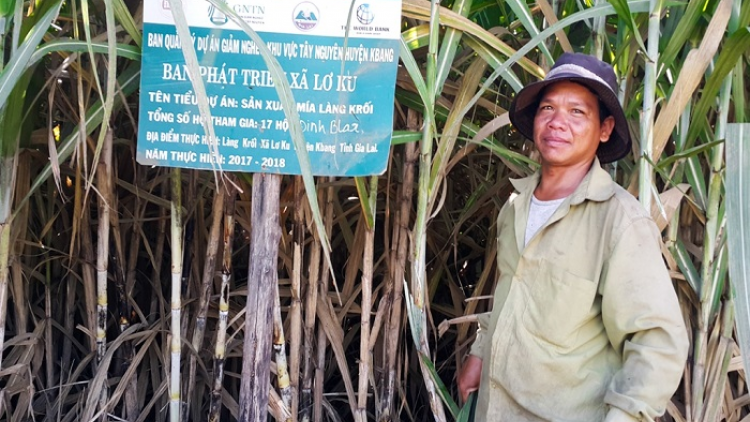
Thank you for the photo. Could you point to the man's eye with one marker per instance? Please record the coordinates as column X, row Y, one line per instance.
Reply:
column 578, row 111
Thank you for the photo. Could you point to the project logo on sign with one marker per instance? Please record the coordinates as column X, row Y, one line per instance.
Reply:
column 364, row 14
column 217, row 16
column 252, row 13
column 305, row 16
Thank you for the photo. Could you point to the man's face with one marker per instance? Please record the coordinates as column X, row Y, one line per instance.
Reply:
column 567, row 130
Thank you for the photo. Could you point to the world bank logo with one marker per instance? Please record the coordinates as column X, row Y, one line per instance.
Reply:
column 305, row 16
column 217, row 16
column 364, row 14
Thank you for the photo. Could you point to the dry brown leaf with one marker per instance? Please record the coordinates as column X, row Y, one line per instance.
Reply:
column 549, row 14
column 491, row 127
column 335, row 335
column 690, row 76
column 670, row 201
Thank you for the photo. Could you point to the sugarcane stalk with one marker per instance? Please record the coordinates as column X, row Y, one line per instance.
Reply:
column 311, row 300
column 175, row 406
column 7, row 184
column 103, row 182
column 709, row 292
column 204, row 297
column 9, row 143
column 214, row 412
column 262, row 279
column 20, row 286
column 722, row 355
column 4, row 260
column 69, row 318
column 322, row 342
column 48, row 347
column 131, row 394
column 88, row 274
column 366, row 305
column 295, row 307
column 320, row 373
column 419, row 239
column 157, row 309
column 279, row 348
column 116, row 267
column 646, row 175
column 392, row 332
column 709, row 288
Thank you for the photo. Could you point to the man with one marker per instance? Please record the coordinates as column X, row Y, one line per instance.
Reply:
column 585, row 325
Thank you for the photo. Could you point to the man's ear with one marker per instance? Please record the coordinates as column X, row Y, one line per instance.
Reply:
column 607, row 126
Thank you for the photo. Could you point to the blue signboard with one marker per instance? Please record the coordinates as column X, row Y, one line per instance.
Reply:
column 343, row 86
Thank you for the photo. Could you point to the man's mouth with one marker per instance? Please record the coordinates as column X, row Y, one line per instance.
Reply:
column 554, row 141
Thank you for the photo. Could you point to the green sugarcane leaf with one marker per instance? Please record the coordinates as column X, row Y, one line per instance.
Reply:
column 86, row 15
column 697, row 181
column 365, row 199
column 686, row 266
column 19, row 60
column 75, row 46
column 413, row 101
column 11, row 117
column 127, row 21
column 685, row 29
column 738, row 229
column 109, row 98
column 521, row 9
column 7, row 7
column 472, row 78
column 691, row 152
column 442, row 390
column 416, row 37
column 719, row 270
column 431, row 62
column 744, row 16
column 416, row 315
column 407, row 58
column 421, row 10
column 465, row 415
column 494, row 60
column 733, row 49
column 636, row 6
column 449, row 46
column 404, row 137
column 738, row 92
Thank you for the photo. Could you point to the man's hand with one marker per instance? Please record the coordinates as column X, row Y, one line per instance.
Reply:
column 468, row 379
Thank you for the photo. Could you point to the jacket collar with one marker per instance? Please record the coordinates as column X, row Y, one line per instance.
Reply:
column 596, row 186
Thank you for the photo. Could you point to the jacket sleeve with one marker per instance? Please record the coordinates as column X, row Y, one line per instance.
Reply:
column 483, row 336
column 485, row 328
column 644, row 324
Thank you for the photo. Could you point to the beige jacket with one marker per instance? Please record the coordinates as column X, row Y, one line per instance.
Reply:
column 586, row 325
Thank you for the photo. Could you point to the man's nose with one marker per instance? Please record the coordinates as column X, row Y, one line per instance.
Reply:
column 556, row 119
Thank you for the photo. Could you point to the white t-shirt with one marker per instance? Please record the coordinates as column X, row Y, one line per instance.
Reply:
column 539, row 213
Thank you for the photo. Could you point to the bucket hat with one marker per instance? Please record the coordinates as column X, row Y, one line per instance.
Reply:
column 590, row 72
